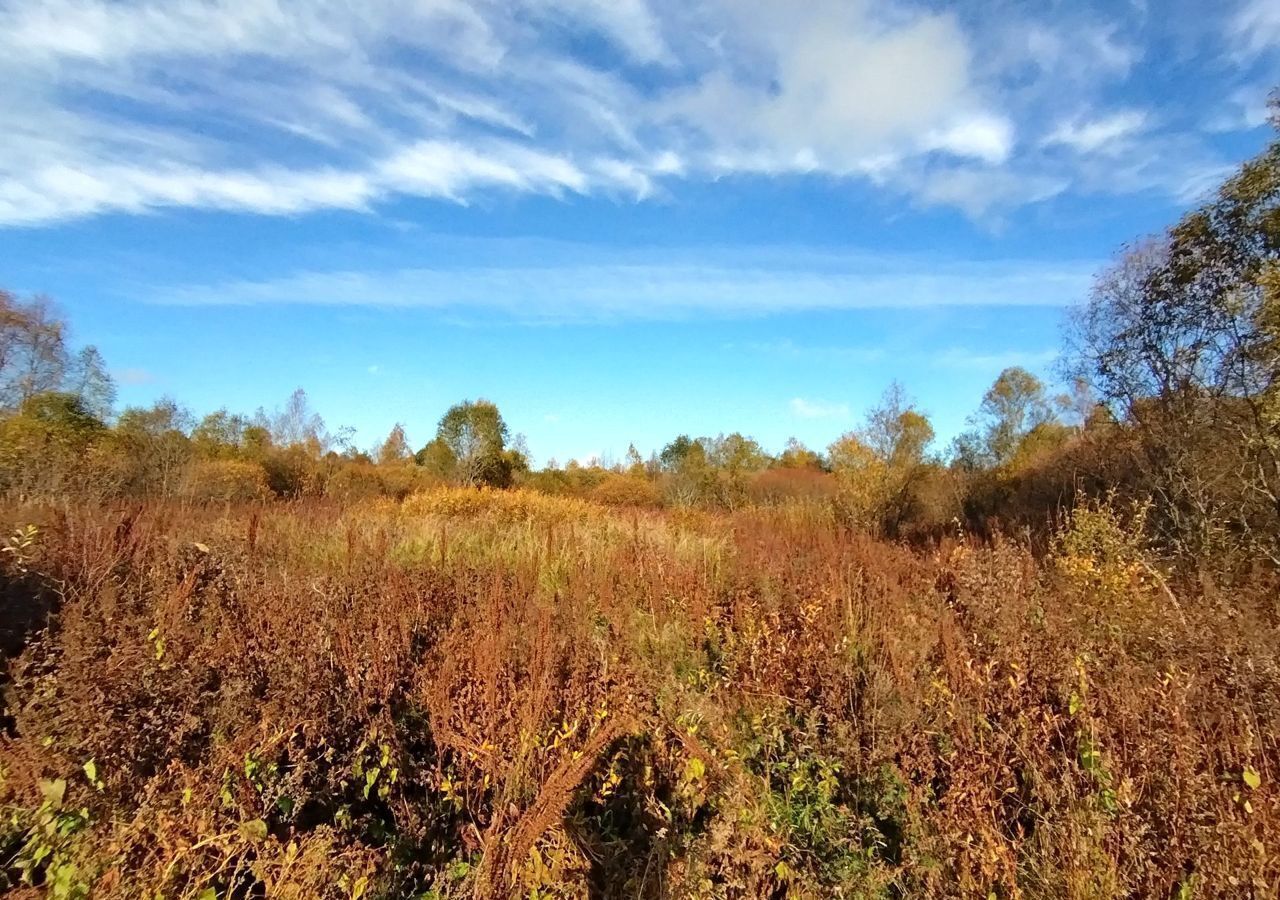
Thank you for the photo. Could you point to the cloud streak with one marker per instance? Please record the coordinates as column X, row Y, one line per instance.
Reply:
column 285, row 108
column 645, row 287
column 817, row 409
column 993, row 361
column 1091, row 136
column 133, row 377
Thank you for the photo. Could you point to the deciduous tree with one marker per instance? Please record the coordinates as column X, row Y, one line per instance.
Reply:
column 1015, row 405
column 476, row 437
column 1181, row 340
column 395, row 449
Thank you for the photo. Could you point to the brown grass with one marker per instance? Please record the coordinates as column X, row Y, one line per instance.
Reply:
column 493, row 694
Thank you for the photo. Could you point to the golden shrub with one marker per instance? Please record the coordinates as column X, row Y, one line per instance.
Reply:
column 627, row 490
column 1101, row 552
column 227, row 480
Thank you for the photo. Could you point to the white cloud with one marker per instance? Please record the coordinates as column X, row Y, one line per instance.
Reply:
column 447, row 171
column 628, row 23
column 1256, row 26
column 993, row 361
column 284, row 108
column 838, row 85
column 1244, row 108
column 436, row 169
column 1073, row 52
column 818, row 409
column 979, row 190
column 62, row 190
column 1099, row 134
column 661, row 287
column 985, row 137
column 51, row 32
column 788, row 349
column 134, row 376
column 1198, row 183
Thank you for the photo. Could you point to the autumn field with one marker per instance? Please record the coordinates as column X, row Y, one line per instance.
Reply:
column 490, row 694
column 242, row 657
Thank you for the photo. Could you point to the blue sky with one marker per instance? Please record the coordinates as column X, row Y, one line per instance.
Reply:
column 618, row 219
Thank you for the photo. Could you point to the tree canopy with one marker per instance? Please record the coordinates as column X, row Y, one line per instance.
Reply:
column 475, row 436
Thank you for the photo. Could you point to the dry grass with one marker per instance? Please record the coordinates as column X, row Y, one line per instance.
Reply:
column 508, row 694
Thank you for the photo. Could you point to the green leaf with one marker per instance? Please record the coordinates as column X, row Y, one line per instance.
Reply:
column 1251, row 778
column 1073, row 705
column 91, row 771
column 207, row 894
column 255, row 830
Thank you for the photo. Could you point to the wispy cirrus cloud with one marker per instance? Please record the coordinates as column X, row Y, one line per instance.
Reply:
column 1099, row 134
column 791, row 350
column 993, row 361
column 133, row 376
column 1256, row 25
column 817, row 409
column 658, row 286
column 957, row 358
column 280, row 109
column 283, row 108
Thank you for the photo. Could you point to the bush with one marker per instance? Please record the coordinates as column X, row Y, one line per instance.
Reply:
column 627, row 490
column 784, row 484
column 1102, row 553
column 227, row 480
column 55, row 449
column 293, row 472
column 364, row 481
column 355, row 481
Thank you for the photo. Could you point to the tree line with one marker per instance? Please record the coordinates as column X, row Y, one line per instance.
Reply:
column 59, row 436
column 1173, row 362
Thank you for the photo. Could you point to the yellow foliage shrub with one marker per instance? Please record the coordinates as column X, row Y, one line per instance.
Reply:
column 356, row 481
column 227, row 480
column 627, row 490
column 1102, row 553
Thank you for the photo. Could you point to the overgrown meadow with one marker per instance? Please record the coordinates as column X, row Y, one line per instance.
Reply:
column 476, row 693
column 243, row 658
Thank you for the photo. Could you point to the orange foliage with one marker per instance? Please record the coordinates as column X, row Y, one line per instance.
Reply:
column 488, row 693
